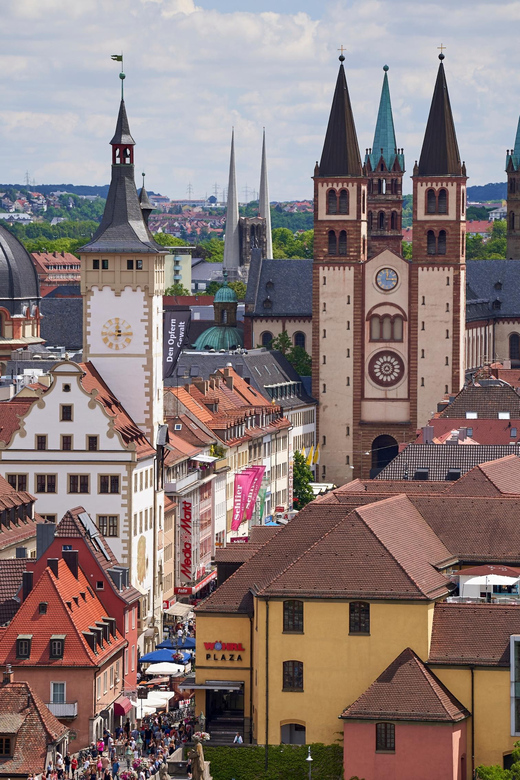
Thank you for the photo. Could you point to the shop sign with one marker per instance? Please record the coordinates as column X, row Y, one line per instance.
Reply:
column 186, row 542
column 239, row 540
column 166, row 604
column 223, row 651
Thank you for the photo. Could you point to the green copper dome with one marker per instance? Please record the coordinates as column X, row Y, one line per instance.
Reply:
column 225, row 294
column 219, row 337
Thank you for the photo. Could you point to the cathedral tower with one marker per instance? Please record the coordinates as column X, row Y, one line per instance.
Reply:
column 385, row 168
column 513, row 198
column 122, row 278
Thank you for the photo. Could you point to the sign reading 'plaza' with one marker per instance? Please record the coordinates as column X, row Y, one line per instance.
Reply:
column 233, row 650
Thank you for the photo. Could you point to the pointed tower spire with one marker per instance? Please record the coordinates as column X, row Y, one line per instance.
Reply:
column 440, row 151
column 340, row 156
column 263, row 205
column 232, row 240
column 385, row 144
column 146, row 206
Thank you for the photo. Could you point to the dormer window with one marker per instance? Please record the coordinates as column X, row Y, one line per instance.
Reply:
column 5, row 745
column 23, row 645
column 57, row 646
column 42, row 608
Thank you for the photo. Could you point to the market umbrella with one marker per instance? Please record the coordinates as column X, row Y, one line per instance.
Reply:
column 157, row 656
column 165, row 668
column 187, row 643
column 491, row 579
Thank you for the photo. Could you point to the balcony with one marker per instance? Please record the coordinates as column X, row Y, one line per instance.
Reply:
column 184, row 482
column 63, row 709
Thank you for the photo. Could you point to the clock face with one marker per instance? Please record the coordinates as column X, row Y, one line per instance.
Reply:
column 386, row 368
column 386, row 279
column 116, row 333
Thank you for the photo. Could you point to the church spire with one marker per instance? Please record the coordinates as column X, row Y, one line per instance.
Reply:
column 146, row 206
column 123, row 227
column 232, row 240
column 340, row 156
column 440, row 151
column 385, row 144
column 263, row 204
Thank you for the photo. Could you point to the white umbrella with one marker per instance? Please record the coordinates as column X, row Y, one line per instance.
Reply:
column 490, row 579
column 165, row 668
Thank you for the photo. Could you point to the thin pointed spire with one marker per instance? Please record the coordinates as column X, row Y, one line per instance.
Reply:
column 122, row 134
column 146, row 206
column 385, row 144
column 513, row 156
column 263, row 204
column 440, row 152
column 340, row 156
column 232, row 240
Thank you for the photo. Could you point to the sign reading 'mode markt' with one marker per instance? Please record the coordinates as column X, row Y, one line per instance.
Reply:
column 233, row 650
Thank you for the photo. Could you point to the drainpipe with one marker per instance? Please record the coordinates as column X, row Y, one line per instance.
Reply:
column 251, row 678
column 266, row 685
column 472, row 721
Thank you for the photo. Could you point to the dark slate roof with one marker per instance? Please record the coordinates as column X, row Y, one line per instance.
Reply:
column 122, row 134
column 340, row 156
column 440, row 458
column 122, row 228
column 440, row 152
column 279, row 288
column 146, row 206
column 18, row 276
column 259, row 367
column 203, row 271
column 62, row 322
column 487, row 401
column 407, row 690
column 489, row 281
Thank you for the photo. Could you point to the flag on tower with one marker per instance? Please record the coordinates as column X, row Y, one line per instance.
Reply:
column 117, row 57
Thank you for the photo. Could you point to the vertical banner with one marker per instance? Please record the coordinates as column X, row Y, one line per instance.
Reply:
column 258, row 473
column 242, row 486
column 186, row 543
column 176, row 326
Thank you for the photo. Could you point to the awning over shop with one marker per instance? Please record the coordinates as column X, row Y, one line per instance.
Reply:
column 180, row 610
column 122, row 706
column 191, row 590
column 189, row 684
column 204, row 458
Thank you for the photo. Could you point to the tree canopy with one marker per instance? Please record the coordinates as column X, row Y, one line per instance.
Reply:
column 302, row 477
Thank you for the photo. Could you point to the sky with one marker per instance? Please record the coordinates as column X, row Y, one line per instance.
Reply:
column 196, row 68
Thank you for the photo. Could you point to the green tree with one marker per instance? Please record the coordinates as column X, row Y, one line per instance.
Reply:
column 212, row 250
column 165, row 239
column 287, row 244
column 407, row 249
column 477, row 212
column 302, row 477
column 239, row 287
column 177, row 289
column 497, row 773
column 282, row 343
column 300, row 360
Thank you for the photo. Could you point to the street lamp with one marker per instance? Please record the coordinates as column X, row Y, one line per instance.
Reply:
column 310, row 760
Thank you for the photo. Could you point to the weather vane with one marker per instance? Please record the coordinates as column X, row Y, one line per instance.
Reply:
column 119, row 58
column 341, row 56
column 441, row 47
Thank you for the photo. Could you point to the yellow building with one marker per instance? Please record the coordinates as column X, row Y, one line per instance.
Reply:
column 314, row 616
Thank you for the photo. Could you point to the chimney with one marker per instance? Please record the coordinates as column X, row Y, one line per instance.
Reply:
column 427, row 433
column 71, row 559
column 463, row 432
column 8, row 675
column 91, row 639
column 52, row 563
column 27, row 583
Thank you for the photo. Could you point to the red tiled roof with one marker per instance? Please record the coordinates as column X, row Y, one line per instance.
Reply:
column 35, row 726
column 123, row 423
column 10, row 414
column 11, row 571
column 407, row 690
column 69, row 612
column 473, row 634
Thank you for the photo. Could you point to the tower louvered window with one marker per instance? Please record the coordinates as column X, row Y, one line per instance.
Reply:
column 442, row 204
column 343, row 243
column 333, row 243
column 332, row 202
column 343, row 202
column 430, row 242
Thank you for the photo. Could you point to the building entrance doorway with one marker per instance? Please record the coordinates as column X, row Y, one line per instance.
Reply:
column 384, row 449
column 224, row 715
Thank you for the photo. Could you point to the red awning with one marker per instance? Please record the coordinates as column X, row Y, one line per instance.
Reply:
column 122, row 706
column 191, row 590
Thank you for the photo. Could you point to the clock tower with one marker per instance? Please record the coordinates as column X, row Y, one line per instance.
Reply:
column 122, row 279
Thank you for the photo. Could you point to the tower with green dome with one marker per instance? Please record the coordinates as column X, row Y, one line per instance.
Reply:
column 224, row 334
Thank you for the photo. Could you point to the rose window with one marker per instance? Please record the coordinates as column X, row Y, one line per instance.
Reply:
column 386, row 368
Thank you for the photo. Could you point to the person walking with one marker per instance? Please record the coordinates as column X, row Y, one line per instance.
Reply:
column 238, row 739
column 115, row 769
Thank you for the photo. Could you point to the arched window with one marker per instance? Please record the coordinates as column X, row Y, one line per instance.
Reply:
column 2, row 326
column 292, row 676
column 333, row 244
column 224, row 317
column 332, row 202
column 370, row 220
column 299, row 339
column 381, row 220
column 359, row 622
column 293, row 616
column 514, row 346
column 386, row 328
column 343, row 202
column 292, row 734
column 364, row 202
column 393, row 221
column 342, row 243
column 463, row 201
column 398, row 328
column 375, row 328
column 430, row 243
column 512, row 220
column 384, row 449
column 379, row 186
column 512, row 186
column 266, row 339
column 393, row 186
column 442, row 203
column 431, row 202
column 441, row 244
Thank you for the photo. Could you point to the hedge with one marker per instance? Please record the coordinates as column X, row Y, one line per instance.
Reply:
column 285, row 761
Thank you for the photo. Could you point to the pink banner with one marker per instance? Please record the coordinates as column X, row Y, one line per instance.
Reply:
column 242, row 486
column 258, row 473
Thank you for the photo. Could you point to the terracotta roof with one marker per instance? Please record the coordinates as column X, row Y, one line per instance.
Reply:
column 11, row 571
column 486, row 400
column 10, row 414
column 399, row 558
column 438, row 460
column 123, row 423
column 407, row 690
column 473, row 634
column 72, row 608
column 484, row 431
column 35, row 726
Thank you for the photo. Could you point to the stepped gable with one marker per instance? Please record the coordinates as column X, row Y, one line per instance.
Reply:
column 407, row 690
column 399, row 558
column 473, row 634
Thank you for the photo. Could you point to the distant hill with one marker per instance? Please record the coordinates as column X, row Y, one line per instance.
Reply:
column 484, row 192
column 75, row 189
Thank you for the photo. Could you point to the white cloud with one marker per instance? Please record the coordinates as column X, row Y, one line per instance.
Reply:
column 193, row 72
